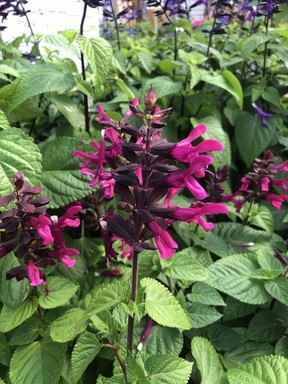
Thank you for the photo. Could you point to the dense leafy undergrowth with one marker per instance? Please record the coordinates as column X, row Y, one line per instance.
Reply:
column 145, row 241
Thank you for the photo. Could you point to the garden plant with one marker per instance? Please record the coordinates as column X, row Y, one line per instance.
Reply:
column 143, row 197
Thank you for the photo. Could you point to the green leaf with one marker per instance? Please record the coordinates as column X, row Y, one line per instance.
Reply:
column 4, row 123
column 263, row 219
column 167, row 369
column 27, row 332
column 235, row 309
column 162, row 306
column 264, row 327
column 98, row 53
column 38, row 363
column 163, row 340
column 278, row 289
column 248, row 350
column 232, row 275
column 18, row 152
column 60, row 292
column 226, row 81
column 146, row 60
column 262, row 370
column 184, row 266
column 163, row 86
column 85, row 349
column 204, row 294
column 69, row 325
column 11, row 317
column 135, row 371
column 105, row 298
column 41, row 78
column 201, row 315
column 12, row 292
column 70, row 109
column 252, row 43
column 61, row 172
column 208, row 362
column 252, row 137
column 281, row 348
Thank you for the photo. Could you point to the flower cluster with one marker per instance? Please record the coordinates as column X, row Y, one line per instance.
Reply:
column 143, row 169
column 261, row 181
column 7, row 6
column 35, row 237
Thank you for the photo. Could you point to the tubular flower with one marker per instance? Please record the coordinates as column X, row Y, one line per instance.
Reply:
column 165, row 244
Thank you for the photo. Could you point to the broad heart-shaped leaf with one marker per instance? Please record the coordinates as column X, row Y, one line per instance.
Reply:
column 4, row 123
column 61, row 176
column 162, row 306
column 38, row 363
column 60, row 292
column 12, row 292
column 204, row 294
column 98, row 53
column 11, row 317
column 167, row 369
column 86, row 348
column 202, row 315
column 252, row 43
column 278, row 289
column 69, row 325
column 184, row 266
column 252, row 137
column 40, row 78
column 146, row 60
column 18, row 152
column 70, row 109
column 226, row 81
column 163, row 86
column 262, row 370
column 208, row 362
column 232, row 275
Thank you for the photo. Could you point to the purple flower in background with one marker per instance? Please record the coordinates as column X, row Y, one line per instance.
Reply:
column 262, row 114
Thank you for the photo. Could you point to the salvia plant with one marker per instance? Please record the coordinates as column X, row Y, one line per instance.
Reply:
column 143, row 198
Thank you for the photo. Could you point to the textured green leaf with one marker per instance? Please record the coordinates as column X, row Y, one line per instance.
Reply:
column 105, row 298
column 162, row 306
column 232, row 275
column 98, row 53
column 208, row 362
column 167, row 369
column 27, row 332
column 235, row 85
column 249, row 350
column 12, row 292
column 163, row 86
column 183, row 265
column 278, row 289
column 60, row 292
column 18, row 152
column 201, row 315
column 11, row 317
column 204, row 294
column 86, row 348
column 38, row 363
column 135, row 371
column 61, row 172
column 4, row 123
column 252, row 43
column 223, row 337
column 235, row 309
column 146, row 60
column 70, row 109
column 264, row 327
column 281, row 348
column 40, row 78
column 164, row 341
column 252, row 137
column 69, row 325
column 262, row 370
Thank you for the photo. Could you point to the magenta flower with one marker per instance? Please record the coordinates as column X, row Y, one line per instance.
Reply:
column 42, row 224
column 165, row 244
column 33, row 274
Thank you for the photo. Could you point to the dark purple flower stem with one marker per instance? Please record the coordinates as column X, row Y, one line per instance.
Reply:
column 266, row 24
column 86, row 109
column 27, row 19
column 116, row 25
column 245, row 221
column 212, row 29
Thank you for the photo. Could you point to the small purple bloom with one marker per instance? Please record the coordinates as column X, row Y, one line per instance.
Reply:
column 262, row 114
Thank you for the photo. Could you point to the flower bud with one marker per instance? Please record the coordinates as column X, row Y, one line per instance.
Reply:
column 150, row 99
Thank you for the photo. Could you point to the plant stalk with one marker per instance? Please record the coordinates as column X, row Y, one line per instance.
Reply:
column 116, row 25
column 86, row 109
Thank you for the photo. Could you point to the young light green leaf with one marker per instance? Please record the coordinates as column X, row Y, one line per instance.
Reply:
column 4, row 123
column 69, row 325
column 252, row 43
column 163, row 340
column 235, row 85
column 167, row 369
column 18, row 152
column 61, row 176
column 85, row 349
column 60, row 292
column 208, row 362
column 162, row 306
column 98, row 53
column 163, row 86
column 135, row 371
column 262, row 370
column 11, row 317
column 146, row 60
column 184, row 266
column 232, row 275
column 278, row 288
column 70, row 109
column 201, row 315
column 37, row 363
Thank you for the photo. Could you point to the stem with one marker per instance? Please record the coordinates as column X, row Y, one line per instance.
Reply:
column 116, row 25
column 86, row 109
column 266, row 23
column 131, row 319
column 27, row 19
column 245, row 221
column 120, row 361
column 211, row 33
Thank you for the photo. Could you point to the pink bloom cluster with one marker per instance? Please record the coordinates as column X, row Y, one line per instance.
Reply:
column 144, row 171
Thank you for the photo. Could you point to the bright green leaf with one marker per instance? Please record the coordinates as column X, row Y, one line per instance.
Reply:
column 278, row 289
column 60, row 292
column 204, row 294
column 201, row 315
column 11, row 317
column 4, row 123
